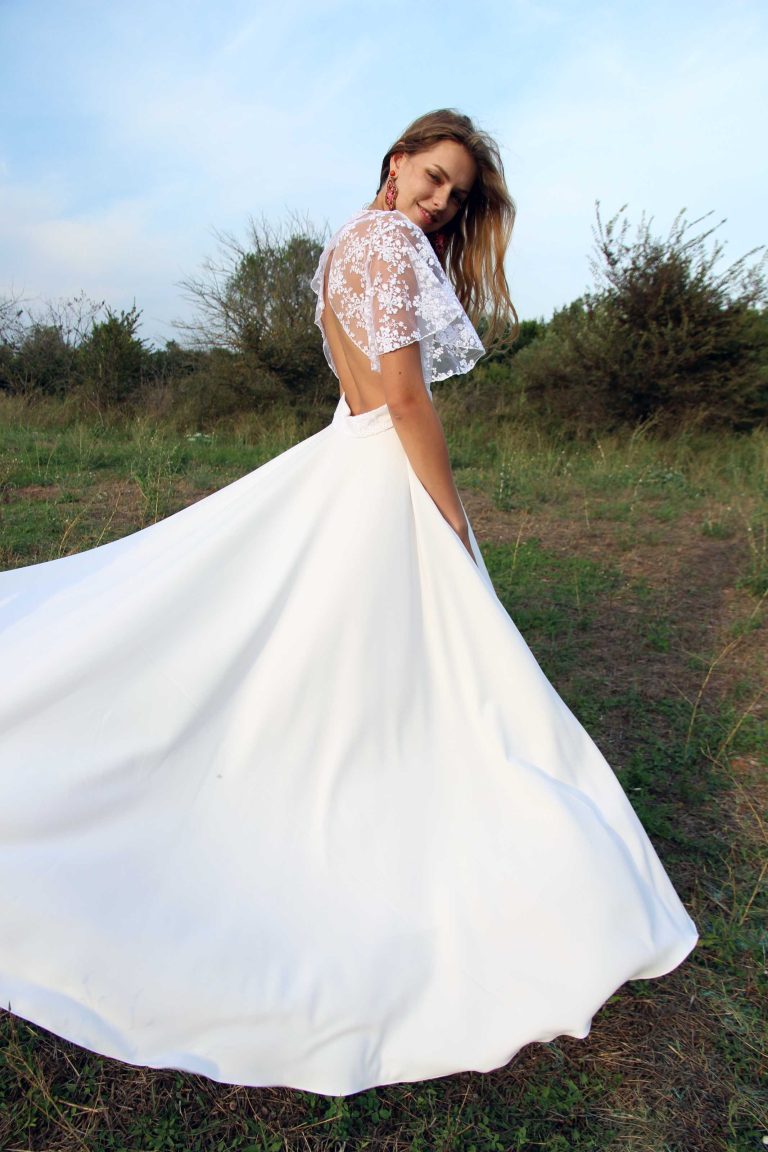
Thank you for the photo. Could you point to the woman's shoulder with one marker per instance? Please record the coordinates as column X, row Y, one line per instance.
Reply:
column 387, row 234
column 387, row 288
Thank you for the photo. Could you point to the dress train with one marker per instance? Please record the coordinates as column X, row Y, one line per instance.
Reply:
column 285, row 798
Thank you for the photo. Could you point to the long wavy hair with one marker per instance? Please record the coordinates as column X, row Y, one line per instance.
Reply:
column 478, row 236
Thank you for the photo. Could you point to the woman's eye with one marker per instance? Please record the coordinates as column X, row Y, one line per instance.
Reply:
column 434, row 176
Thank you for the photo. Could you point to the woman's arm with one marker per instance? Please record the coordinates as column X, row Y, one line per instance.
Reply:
column 421, row 433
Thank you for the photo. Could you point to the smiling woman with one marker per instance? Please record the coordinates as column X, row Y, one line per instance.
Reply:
column 446, row 176
column 285, row 797
column 430, row 187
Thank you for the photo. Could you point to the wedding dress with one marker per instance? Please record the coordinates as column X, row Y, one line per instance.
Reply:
column 285, row 798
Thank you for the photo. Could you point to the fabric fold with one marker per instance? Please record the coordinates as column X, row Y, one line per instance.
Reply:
column 285, row 798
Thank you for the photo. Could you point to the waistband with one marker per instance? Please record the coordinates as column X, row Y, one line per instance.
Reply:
column 365, row 424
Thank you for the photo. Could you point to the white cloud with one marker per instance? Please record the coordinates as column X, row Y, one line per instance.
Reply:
column 138, row 131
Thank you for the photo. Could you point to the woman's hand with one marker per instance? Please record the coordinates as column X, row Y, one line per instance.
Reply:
column 463, row 535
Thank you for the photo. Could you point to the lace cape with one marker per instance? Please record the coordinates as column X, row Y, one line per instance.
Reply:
column 388, row 289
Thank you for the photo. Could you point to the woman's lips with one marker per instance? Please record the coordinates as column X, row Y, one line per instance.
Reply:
column 427, row 217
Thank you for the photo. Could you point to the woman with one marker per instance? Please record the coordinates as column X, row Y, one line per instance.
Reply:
column 285, row 798
column 445, row 181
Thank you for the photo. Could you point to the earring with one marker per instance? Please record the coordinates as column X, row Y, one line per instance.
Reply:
column 439, row 243
column 390, row 195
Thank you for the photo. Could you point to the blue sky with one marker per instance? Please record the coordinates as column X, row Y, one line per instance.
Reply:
column 130, row 132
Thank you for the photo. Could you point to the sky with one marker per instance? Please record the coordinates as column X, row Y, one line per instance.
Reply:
column 131, row 134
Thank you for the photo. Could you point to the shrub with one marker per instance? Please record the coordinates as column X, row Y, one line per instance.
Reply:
column 666, row 335
column 223, row 384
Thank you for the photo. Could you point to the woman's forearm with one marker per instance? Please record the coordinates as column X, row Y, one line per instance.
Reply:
column 421, row 434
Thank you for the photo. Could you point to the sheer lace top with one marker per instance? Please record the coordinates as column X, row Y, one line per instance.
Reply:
column 387, row 289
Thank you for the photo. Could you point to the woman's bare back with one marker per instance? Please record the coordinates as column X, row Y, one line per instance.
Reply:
column 358, row 382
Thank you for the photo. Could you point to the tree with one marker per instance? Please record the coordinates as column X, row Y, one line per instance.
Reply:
column 113, row 358
column 45, row 360
column 11, row 336
column 39, row 348
column 255, row 300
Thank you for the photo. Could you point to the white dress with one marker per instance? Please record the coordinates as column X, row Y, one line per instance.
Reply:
column 285, row 798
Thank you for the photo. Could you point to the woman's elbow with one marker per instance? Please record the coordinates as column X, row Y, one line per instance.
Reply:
column 407, row 401
column 403, row 380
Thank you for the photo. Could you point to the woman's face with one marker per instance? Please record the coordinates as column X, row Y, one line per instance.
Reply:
column 433, row 185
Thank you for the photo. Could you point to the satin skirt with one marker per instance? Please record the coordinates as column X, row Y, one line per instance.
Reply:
column 285, row 798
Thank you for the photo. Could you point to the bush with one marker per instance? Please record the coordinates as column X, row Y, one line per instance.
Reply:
column 665, row 336
column 223, row 384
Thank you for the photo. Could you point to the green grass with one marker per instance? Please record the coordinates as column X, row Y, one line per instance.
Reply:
column 75, row 486
column 636, row 571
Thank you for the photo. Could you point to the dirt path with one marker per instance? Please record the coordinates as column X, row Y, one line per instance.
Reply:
column 693, row 581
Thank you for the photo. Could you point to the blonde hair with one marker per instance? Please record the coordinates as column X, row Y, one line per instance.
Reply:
column 478, row 236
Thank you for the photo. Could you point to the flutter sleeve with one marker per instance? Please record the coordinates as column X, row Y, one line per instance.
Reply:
column 387, row 289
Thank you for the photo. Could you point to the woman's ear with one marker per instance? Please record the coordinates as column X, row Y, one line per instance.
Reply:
column 396, row 160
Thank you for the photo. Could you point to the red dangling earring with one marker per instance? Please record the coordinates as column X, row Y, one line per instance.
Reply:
column 390, row 195
column 439, row 243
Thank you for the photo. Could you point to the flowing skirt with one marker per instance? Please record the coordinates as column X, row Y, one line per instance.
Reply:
column 285, row 798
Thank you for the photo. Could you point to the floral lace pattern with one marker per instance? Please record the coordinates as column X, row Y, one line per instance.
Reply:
column 387, row 289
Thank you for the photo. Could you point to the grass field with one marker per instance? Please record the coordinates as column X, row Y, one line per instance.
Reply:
column 638, row 573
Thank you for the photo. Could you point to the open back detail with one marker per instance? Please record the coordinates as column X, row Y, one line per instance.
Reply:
column 387, row 289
